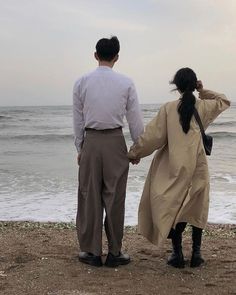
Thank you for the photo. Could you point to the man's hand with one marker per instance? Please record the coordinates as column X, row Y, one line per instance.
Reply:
column 78, row 158
column 135, row 161
column 199, row 86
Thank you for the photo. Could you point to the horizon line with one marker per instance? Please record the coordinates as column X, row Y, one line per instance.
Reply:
column 233, row 102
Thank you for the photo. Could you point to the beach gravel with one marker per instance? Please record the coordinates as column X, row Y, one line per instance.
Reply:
column 42, row 259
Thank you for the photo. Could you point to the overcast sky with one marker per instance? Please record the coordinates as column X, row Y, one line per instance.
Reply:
column 45, row 45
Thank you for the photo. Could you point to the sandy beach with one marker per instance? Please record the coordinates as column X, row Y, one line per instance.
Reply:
column 39, row 258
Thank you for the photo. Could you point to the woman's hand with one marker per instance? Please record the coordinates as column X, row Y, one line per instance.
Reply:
column 199, row 86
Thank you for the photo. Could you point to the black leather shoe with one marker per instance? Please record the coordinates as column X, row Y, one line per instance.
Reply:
column 89, row 258
column 114, row 261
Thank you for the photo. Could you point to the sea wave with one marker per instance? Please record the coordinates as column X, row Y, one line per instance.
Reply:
column 8, row 126
column 24, row 120
column 39, row 137
column 222, row 134
column 8, row 118
column 5, row 117
column 228, row 123
column 23, row 111
column 223, row 178
column 60, row 137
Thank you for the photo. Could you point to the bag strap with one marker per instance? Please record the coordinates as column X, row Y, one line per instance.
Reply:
column 197, row 117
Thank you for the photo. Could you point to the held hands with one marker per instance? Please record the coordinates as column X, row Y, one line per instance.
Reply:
column 131, row 157
column 199, row 85
column 134, row 161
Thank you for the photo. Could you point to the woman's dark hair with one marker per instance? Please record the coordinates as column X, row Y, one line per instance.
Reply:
column 186, row 81
column 107, row 49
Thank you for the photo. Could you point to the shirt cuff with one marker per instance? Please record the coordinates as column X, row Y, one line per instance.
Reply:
column 78, row 144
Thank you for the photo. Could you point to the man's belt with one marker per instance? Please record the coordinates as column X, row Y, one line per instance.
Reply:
column 109, row 129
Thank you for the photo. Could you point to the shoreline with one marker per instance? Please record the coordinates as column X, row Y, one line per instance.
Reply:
column 41, row 258
column 211, row 228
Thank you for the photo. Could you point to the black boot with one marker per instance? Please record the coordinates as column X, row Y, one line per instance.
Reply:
column 177, row 258
column 196, row 259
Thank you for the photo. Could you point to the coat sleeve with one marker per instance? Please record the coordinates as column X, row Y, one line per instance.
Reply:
column 153, row 138
column 213, row 104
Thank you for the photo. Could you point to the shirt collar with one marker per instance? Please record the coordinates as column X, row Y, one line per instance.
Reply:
column 104, row 68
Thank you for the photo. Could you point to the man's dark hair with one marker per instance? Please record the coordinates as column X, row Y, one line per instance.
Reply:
column 107, row 49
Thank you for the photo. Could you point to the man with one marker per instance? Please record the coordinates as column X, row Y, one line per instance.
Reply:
column 101, row 99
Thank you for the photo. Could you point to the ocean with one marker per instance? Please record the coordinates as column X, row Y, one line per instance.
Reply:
column 38, row 170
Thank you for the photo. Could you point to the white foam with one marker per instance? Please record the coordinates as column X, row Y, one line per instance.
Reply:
column 42, row 207
column 62, row 207
column 222, row 207
column 223, row 177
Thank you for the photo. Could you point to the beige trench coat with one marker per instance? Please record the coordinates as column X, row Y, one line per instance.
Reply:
column 177, row 185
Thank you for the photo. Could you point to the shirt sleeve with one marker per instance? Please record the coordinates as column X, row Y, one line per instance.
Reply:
column 133, row 114
column 153, row 138
column 213, row 104
column 78, row 117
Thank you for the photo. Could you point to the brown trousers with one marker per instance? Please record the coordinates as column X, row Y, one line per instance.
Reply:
column 102, row 185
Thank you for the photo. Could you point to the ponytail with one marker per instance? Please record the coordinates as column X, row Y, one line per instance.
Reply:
column 186, row 81
column 186, row 109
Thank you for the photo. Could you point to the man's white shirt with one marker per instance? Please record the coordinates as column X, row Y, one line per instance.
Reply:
column 101, row 99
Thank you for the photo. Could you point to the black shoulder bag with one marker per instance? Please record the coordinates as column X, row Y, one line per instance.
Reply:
column 207, row 139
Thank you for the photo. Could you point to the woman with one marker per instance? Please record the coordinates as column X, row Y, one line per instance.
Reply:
column 176, row 191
